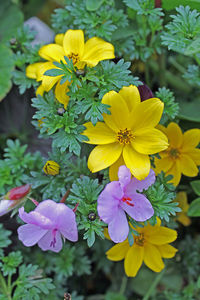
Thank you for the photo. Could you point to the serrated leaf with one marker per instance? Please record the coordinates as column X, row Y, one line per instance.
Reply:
column 93, row 5
column 193, row 48
column 169, row 5
column 194, row 209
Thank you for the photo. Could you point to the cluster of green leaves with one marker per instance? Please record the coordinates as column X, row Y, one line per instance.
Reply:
column 17, row 280
column 194, row 209
column 161, row 196
column 182, row 34
column 192, row 75
column 85, row 192
column 94, row 18
column 15, row 164
column 171, row 108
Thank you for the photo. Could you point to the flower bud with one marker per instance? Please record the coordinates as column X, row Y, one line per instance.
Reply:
column 92, row 216
column 51, row 168
column 14, row 198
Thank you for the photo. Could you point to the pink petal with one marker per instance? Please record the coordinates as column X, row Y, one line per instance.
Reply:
column 66, row 222
column 118, row 228
column 46, row 242
column 36, row 218
column 108, row 201
column 30, row 234
column 141, row 210
column 140, row 185
column 124, row 176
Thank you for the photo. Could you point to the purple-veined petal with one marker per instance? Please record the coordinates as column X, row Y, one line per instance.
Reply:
column 118, row 228
column 108, row 201
column 124, row 176
column 51, row 242
column 66, row 223
column 141, row 210
column 30, row 234
column 36, row 218
column 140, row 185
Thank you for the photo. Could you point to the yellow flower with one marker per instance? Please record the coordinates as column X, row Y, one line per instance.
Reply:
column 72, row 45
column 51, row 168
column 182, row 156
column 182, row 217
column 127, row 136
column 149, row 247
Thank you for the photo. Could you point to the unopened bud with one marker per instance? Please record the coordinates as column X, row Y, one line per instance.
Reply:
column 18, row 192
column 61, row 111
column 51, row 168
column 92, row 216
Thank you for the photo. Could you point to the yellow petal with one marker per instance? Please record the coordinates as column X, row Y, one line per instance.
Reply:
column 175, row 170
column 149, row 141
column 119, row 117
column 61, row 92
column 118, row 252
column 139, row 164
column 191, row 139
column 59, row 39
column 183, row 219
column 43, row 68
column 96, row 50
column 49, row 81
column 104, row 156
column 152, row 258
column 167, row 251
column 188, row 166
column 163, row 164
column 31, row 70
column 147, row 114
column 131, row 96
column 174, row 135
column 40, row 90
column 160, row 235
column 52, row 52
column 181, row 198
column 73, row 42
column 113, row 170
column 99, row 134
column 195, row 155
column 133, row 260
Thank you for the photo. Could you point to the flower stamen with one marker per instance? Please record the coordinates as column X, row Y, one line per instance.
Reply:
column 140, row 239
column 124, row 136
column 75, row 57
column 53, row 242
column 174, row 153
column 127, row 200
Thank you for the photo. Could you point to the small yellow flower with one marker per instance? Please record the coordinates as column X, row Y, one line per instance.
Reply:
column 182, row 217
column 127, row 136
column 72, row 45
column 51, row 168
column 182, row 156
column 149, row 247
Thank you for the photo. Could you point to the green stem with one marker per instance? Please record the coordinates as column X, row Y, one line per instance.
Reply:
column 4, row 287
column 153, row 286
column 123, row 285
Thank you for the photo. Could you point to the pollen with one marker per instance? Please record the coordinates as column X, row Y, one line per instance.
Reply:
column 75, row 58
column 124, row 136
column 174, row 153
column 140, row 239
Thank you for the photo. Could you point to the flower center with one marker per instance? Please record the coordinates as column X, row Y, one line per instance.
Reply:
column 124, row 136
column 140, row 239
column 53, row 242
column 174, row 153
column 127, row 200
column 75, row 57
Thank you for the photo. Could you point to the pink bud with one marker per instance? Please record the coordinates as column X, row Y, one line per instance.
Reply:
column 18, row 192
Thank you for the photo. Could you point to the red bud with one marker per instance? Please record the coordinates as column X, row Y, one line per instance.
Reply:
column 19, row 192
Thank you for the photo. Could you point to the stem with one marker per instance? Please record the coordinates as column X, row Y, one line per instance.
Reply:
column 34, row 201
column 65, row 196
column 153, row 286
column 123, row 285
column 75, row 208
column 4, row 287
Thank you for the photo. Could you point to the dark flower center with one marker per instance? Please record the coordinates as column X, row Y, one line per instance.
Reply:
column 124, row 136
column 174, row 153
column 75, row 58
column 140, row 239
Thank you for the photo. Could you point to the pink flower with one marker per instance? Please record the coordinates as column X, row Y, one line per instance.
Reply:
column 119, row 197
column 46, row 224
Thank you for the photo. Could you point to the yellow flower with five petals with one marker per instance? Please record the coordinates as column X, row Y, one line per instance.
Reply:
column 127, row 136
column 150, row 246
column 182, row 156
column 72, row 45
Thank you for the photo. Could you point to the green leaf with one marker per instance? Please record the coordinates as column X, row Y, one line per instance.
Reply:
column 4, row 237
column 6, row 67
column 54, row 72
column 169, row 5
column 196, row 186
column 190, row 110
column 11, row 262
column 93, row 5
column 114, row 296
column 90, row 236
column 193, row 48
column 11, row 19
column 194, row 209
